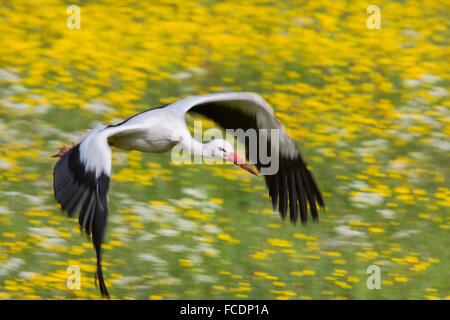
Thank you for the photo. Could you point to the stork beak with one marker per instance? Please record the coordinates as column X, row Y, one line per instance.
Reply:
column 232, row 157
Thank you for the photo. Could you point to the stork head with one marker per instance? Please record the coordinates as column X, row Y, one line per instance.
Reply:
column 223, row 150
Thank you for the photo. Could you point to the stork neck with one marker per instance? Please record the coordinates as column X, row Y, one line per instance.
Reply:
column 193, row 146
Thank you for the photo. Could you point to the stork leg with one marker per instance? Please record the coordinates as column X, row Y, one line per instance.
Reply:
column 63, row 150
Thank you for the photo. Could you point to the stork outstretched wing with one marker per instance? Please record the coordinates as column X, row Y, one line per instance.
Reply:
column 292, row 185
column 81, row 182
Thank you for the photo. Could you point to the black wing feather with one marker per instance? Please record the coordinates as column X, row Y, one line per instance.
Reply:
column 282, row 191
column 293, row 185
column 74, row 187
column 293, row 208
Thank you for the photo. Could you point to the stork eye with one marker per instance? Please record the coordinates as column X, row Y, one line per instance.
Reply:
column 221, row 149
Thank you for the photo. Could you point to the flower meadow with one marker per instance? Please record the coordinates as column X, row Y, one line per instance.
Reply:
column 368, row 107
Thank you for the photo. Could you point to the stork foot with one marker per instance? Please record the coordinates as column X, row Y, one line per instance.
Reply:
column 63, row 150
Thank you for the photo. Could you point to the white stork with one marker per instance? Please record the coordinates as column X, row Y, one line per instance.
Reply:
column 82, row 175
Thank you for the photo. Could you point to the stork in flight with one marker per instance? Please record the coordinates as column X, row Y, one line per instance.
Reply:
column 82, row 175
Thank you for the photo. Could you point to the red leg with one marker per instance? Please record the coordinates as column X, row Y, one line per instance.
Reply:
column 63, row 150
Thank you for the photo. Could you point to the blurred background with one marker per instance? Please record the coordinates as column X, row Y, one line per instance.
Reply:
column 369, row 108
